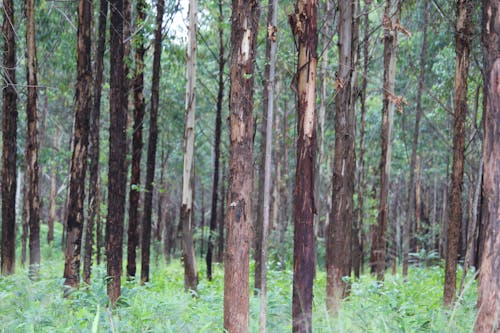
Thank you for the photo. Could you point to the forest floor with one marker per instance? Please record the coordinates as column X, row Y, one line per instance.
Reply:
column 414, row 305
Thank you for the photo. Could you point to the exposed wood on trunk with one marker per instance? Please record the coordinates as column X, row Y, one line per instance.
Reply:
column 463, row 36
column 304, row 26
column 117, row 150
column 244, row 29
column 139, row 110
column 31, row 155
column 488, row 304
column 9, row 139
column 391, row 19
column 218, row 125
column 338, row 253
column 153, row 138
column 410, row 203
column 83, row 106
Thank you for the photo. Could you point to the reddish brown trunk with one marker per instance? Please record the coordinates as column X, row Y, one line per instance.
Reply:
column 303, row 23
column 338, row 253
column 463, row 38
column 117, row 150
column 9, row 139
column 153, row 138
column 139, row 110
column 244, row 29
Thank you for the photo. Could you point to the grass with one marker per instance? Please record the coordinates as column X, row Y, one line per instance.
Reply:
column 163, row 306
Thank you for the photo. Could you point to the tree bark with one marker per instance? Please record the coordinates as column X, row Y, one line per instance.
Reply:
column 9, row 139
column 117, row 150
column 488, row 304
column 94, row 200
column 244, row 29
column 338, row 253
column 152, row 142
column 304, row 26
column 218, row 125
column 222, row 218
column 391, row 19
column 410, row 203
column 463, row 38
column 139, row 111
column 31, row 156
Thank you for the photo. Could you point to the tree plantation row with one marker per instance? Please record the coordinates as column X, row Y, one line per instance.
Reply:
column 344, row 136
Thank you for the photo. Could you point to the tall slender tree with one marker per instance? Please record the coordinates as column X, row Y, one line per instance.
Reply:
column 188, row 254
column 218, row 125
column 392, row 13
column 94, row 199
column 304, row 27
column 338, row 253
column 488, row 304
column 139, row 110
column 74, row 223
column 152, row 142
column 463, row 36
column 31, row 198
column 244, row 29
column 117, row 151
column 9, row 139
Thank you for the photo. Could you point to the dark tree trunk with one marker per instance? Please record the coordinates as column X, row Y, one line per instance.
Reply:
column 244, row 29
column 222, row 215
column 94, row 179
column 117, row 150
column 303, row 23
column 139, row 110
column 489, row 285
column 391, row 18
column 218, row 125
column 9, row 139
column 153, row 138
column 83, row 97
column 463, row 38
column 410, row 203
column 338, row 253
column 31, row 156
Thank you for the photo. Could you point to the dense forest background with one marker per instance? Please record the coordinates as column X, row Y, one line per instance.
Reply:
column 192, row 226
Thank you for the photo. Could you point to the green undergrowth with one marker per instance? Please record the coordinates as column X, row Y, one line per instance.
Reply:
column 163, row 306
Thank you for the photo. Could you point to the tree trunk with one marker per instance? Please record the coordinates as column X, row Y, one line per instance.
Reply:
column 139, row 110
column 488, row 303
column 83, row 106
column 9, row 139
column 188, row 253
column 303, row 23
column 222, row 216
column 31, row 156
column 53, row 193
column 117, row 150
column 338, row 253
column 244, row 29
column 153, row 138
column 391, row 19
column 463, row 38
column 410, row 203
column 94, row 179
column 218, row 125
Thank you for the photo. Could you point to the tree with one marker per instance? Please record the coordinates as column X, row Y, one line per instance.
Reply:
column 139, row 110
column 32, row 199
column 304, row 28
column 9, row 139
column 392, row 12
column 338, row 253
column 74, row 223
column 153, row 139
column 244, row 28
column 117, row 151
column 463, row 36
column 94, row 179
column 488, row 302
